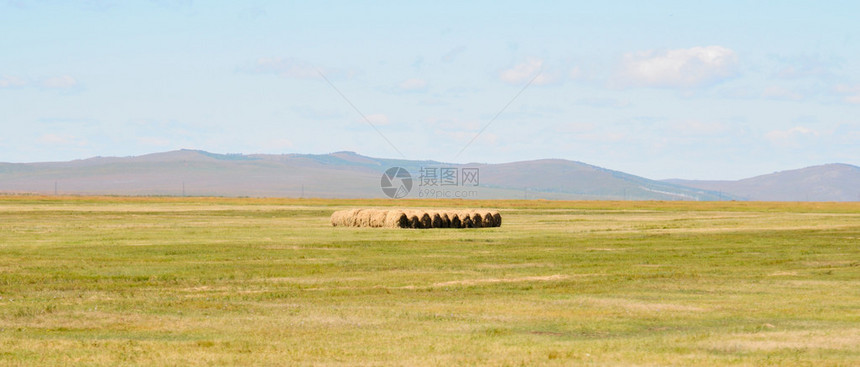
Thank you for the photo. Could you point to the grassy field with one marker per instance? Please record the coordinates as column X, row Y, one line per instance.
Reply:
column 202, row 281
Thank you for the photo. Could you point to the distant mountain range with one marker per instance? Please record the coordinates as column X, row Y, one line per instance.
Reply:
column 350, row 175
column 829, row 182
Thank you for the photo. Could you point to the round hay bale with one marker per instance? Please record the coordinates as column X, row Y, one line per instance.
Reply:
column 426, row 221
column 334, row 219
column 386, row 218
column 455, row 221
column 344, row 218
column 411, row 218
column 401, row 219
column 464, row 215
column 488, row 220
column 337, row 218
column 435, row 219
column 353, row 217
column 414, row 220
column 396, row 219
column 446, row 222
column 364, row 217
column 377, row 218
column 466, row 222
column 477, row 220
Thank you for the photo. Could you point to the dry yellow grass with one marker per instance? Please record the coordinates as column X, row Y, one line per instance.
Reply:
column 211, row 281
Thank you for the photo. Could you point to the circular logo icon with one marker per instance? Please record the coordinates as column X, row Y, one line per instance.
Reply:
column 396, row 182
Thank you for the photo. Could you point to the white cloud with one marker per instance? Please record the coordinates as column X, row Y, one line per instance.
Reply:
column 11, row 82
column 791, row 137
column 681, row 68
column 59, row 82
column 55, row 82
column 781, row 93
column 524, row 72
column 852, row 93
column 413, row 85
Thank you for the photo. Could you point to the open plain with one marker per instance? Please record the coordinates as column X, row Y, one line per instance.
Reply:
column 215, row 281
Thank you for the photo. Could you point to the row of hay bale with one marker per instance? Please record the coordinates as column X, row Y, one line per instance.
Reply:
column 405, row 218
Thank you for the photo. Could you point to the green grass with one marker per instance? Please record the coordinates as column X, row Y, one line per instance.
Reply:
column 208, row 281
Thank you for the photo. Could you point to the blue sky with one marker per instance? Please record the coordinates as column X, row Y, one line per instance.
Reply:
column 721, row 90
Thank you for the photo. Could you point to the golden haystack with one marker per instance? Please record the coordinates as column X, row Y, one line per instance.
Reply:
column 446, row 222
column 353, row 217
column 455, row 220
column 414, row 219
column 436, row 220
column 466, row 221
column 488, row 220
column 426, row 221
column 377, row 218
column 477, row 219
column 338, row 218
column 396, row 219
column 406, row 218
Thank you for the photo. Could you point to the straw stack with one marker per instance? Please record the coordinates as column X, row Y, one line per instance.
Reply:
column 411, row 218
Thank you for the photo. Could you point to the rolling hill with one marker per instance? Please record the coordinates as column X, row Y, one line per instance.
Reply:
column 829, row 182
column 350, row 175
column 341, row 174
